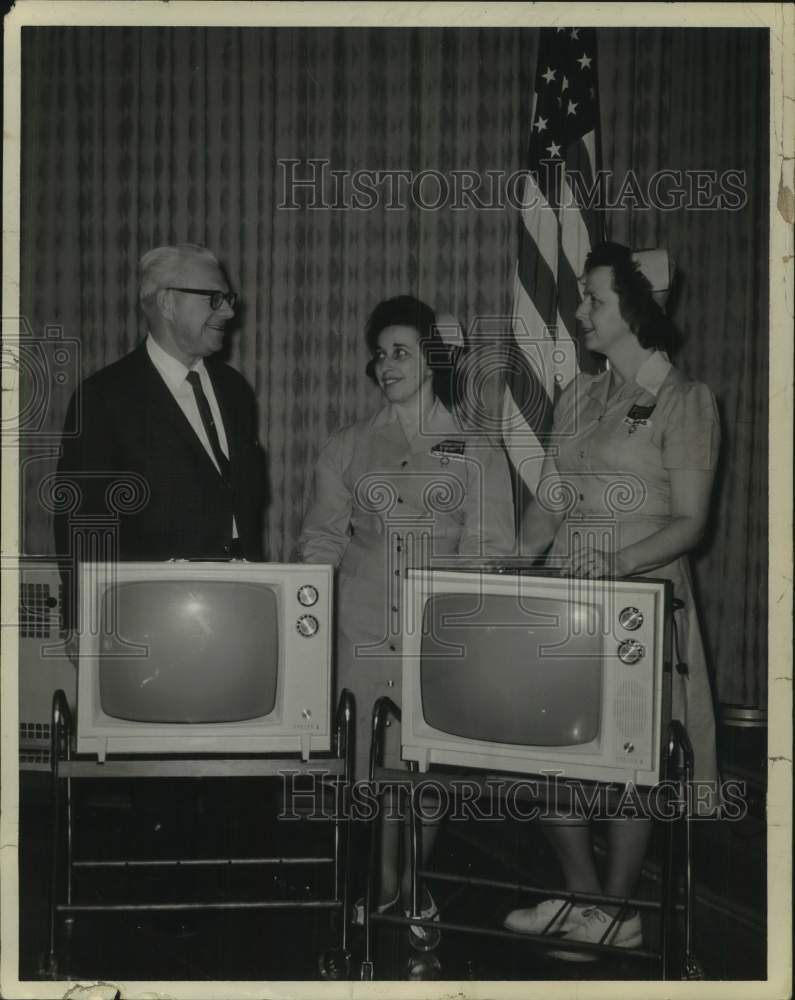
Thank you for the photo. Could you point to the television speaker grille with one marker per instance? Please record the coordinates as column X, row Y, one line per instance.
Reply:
column 631, row 710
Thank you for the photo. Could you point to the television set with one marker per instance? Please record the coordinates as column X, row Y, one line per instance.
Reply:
column 185, row 657
column 524, row 672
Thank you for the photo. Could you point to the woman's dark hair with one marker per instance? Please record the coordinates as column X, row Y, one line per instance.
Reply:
column 636, row 303
column 405, row 310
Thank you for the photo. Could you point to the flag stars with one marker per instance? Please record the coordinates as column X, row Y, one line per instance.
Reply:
column 540, row 124
column 565, row 85
column 549, row 76
column 553, row 150
column 572, row 108
column 584, row 61
column 575, row 33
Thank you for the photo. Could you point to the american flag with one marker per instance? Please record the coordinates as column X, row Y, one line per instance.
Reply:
column 557, row 231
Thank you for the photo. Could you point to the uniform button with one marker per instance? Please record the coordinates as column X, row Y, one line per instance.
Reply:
column 227, row 549
column 397, row 572
column 400, row 499
column 395, row 609
column 404, row 464
column 582, row 496
column 393, row 648
column 398, row 548
column 390, row 684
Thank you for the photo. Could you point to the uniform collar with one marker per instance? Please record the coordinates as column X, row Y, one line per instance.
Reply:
column 438, row 422
column 653, row 372
column 649, row 377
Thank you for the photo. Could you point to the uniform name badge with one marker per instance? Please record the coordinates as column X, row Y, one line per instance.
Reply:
column 638, row 416
column 449, row 449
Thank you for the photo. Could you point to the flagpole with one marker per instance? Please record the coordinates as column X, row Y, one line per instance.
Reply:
column 601, row 219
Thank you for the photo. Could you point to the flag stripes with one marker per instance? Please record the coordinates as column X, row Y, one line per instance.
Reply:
column 556, row 233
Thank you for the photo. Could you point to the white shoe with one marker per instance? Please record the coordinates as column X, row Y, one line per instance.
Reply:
column 595, row 922
column 553, row 916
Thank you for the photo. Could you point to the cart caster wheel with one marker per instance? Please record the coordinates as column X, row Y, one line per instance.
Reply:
column 335, row 964
column 48, row 967
column 474, row 972
column 424, row 967
column 430, row 939
column 692, row 969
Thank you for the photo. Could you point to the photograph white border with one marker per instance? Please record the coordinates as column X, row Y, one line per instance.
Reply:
column 779, row 17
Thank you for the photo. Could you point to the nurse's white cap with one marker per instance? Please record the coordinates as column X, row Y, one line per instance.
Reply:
column 449, row 329
column 659, row 268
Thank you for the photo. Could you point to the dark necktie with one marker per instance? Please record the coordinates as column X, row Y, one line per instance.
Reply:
column 209, row 424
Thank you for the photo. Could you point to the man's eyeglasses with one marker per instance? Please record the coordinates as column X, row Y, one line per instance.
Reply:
column 216, row 297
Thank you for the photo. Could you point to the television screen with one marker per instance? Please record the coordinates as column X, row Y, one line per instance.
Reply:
column 189, row 651
column 504, row 670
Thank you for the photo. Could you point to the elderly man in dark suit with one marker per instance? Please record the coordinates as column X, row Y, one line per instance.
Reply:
column 176, row 421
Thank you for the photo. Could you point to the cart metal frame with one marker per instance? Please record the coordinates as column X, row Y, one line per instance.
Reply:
column 66, row 768
column 677, row 769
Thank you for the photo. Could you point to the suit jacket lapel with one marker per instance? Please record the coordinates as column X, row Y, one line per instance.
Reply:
column 161, row 402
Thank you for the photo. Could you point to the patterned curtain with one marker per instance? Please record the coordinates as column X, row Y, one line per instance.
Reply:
column 698, row 101
column 136, row 137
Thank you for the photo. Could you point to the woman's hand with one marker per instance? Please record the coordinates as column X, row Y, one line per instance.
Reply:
column 591, row 563
column 690, row 492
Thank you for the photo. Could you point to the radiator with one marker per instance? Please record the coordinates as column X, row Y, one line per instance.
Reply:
column 43, row 664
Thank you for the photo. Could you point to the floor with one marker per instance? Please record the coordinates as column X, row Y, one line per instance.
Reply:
column 236, row 817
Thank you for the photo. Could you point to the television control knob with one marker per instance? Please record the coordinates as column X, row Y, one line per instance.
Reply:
column 630, row 619
column 307, row 595
column 307, row 625
column 629, row 747
column 630, row 651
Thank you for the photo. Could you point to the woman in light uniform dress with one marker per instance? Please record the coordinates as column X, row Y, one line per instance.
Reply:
column 396, row 490
column 626, row 495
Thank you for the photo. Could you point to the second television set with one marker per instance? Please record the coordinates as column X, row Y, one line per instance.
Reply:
column 536, row 674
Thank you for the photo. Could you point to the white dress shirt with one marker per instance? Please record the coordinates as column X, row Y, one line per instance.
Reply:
column 175, row 375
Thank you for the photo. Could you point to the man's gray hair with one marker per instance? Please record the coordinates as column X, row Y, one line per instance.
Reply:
column 161, row 267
